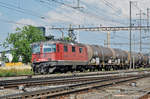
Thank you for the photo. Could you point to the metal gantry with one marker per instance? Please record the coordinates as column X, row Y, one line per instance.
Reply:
column 125, row 28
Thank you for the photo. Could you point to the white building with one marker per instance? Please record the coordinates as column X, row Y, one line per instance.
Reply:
column 8, row 55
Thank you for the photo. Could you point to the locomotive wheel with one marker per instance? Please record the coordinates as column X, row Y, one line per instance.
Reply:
column 41, row 70
column 35, row 70
column 52, row 69
column 82, row 70
column 45, row 70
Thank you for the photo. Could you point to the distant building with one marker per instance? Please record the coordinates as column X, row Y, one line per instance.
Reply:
column 43, row 30
column 7, row 55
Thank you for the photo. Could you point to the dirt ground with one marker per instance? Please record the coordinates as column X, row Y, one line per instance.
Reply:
column 133, row 90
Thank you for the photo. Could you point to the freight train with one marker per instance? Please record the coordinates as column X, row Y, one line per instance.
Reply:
column 61, row 56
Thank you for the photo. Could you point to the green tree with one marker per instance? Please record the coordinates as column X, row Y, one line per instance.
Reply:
column 67, row 38
column 21, row 41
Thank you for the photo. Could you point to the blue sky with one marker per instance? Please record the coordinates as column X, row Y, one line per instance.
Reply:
column 50, row 13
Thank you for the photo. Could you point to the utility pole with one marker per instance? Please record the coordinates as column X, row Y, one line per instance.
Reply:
column 134, row 50
column 140, row 25
column 71, row 33
column 78, row 35
column 62, row 36
column 148, row 18
column 108, row 39
column 130, row 35
column 78, row 3
column 104, row 43
column 140, row 31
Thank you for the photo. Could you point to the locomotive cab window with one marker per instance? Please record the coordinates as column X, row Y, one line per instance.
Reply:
column 73, row 49
column 36, row 48
column 65, row 48
column 80, row 50
column 47, row 48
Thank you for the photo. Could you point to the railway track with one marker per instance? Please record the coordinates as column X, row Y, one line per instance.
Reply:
column 72, row 79
column 75, row 88
column 68, row 75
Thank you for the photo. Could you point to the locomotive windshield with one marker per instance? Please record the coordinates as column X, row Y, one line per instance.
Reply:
column 47, row 48
column 36, row 48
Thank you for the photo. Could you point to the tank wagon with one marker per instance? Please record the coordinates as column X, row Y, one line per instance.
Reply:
column 51, row 56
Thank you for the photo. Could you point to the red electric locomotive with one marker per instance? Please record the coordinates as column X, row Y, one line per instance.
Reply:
column 56, row 55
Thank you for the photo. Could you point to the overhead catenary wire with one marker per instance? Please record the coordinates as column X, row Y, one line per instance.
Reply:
column 99, row 15
column 12, row 22
column 46, row 3
column 21, row 10
column 135, row 5
column 88, row 13
column 107, row 3
column 62, row 3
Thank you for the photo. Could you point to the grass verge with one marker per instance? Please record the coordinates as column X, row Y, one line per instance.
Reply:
column 15, row 71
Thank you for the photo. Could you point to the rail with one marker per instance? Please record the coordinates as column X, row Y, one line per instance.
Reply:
column 75, row 88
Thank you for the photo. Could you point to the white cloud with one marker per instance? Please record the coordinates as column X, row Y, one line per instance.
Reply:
column 70, row 16
column 105, row 12
column 27, row 21
column 23, row 22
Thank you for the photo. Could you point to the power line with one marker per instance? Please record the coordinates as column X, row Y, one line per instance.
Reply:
column 21, row 10
column 137, row 43
column 135, row 5
column 12, row 22
column 107, row 3
column 48, row 4
column 88, row 13
column 104, row 18
column 120, row 37
column 102, row 15
column 62, row 3
column 99, row 15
